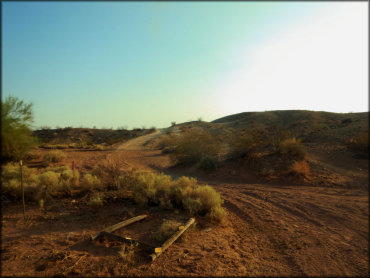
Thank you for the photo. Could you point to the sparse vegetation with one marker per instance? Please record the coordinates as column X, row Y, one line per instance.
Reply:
column 90, row 183
column 245, row 144
column 54, row 156
column 184, row 193
column 300, row 169
column 359, row 144
column 11, row 184
column 292, row 147
column 192, row 146
column 127, row 251
column 95, row 201
column 208, row 163
column 167, row 229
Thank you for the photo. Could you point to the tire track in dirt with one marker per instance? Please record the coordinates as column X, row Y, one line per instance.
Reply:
column 286, row 224
column 260, row 227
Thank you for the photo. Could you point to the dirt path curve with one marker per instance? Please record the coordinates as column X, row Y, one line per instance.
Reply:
column 136, row 154
column 138, row 143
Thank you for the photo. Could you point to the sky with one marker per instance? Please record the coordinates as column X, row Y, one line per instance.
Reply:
column 144, row 64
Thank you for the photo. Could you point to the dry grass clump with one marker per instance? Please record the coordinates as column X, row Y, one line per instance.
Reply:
column 184, row 193
column 54, row 156
column 292, row 147
column 152, row 188
column 95, row 201
column 300, row 169
column 109, row 172
column 89, row 183
column 54, row 180
column 167, row 229
column 127, row 251
column 359, row 144
column 192, row 146
column 11, row 183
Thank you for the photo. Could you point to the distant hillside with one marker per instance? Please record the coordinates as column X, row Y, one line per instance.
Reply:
column 309, row 125
column 87, row 135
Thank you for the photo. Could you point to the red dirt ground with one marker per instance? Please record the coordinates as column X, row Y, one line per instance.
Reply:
column 271, row 228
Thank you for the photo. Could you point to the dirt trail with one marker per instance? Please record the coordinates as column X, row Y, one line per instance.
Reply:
column 138, row 143
column 270, row 230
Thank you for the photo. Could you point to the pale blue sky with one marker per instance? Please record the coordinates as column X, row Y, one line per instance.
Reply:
column 140, row 64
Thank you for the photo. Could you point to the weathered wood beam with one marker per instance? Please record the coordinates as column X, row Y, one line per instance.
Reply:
column 172, row 239
column 121, row 225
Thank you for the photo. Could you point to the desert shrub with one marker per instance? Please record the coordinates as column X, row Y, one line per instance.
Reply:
column 49, row 180
column 90, row 183
column 11, row 183
column 54, row 156
column 292, row 147
column 95, row 201
column 68, row 180
column 209, row 200
column 208, row 163
column 300, row 169
column 52, row 183
column 109, row 171
column 30, row 156
column 245, row 144
column 152, row 188
column 184, row 193
column 190, row 147
column 167, row 143
column 16, row 135
column 167, row 229
column 173, row 123
column 276, row 135
column 58, row 169
column 128, row 179
column 359, row 143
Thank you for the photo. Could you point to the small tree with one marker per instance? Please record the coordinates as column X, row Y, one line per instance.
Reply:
column 16, row 134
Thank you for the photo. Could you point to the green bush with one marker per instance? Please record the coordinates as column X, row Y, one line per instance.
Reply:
column 292, row 147
column 11, row 183
column 49, row 180
column 190, row 147
column 54, row 156
column 184, row 193
column 89, row 183
column 16, row 135
column 208, row 163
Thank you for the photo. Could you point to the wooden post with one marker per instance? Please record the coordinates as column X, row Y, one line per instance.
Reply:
column 121, row 225
column 73, row 168
column 160, row 250
column 22, row 188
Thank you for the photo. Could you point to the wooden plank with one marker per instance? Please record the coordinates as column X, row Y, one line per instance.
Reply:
column 123, row 239
column 121, row 225
column 168, row 243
